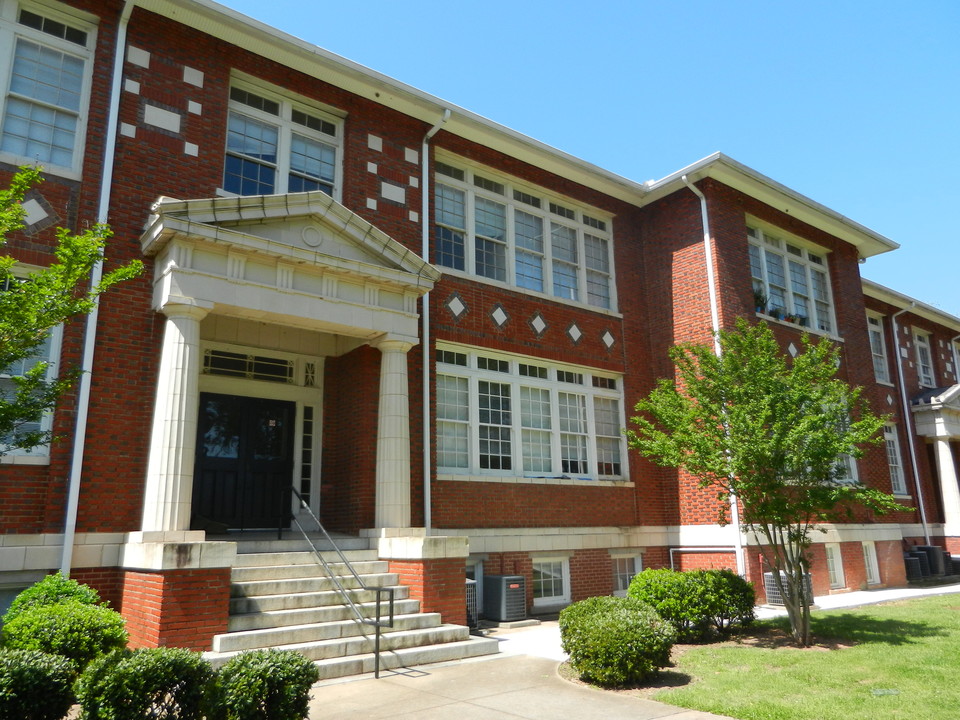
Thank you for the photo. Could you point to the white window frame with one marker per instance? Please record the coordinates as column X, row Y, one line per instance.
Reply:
column 925, row 370
column 891, row 441
column 559, row 217
column 878, row 348
column 870, row 565
column 834, row 565
column 12, row 31
column 466, row 429
column 288, row 104
column 618, row 575
column 552, row 601
column 39, row 455
column 786, row 295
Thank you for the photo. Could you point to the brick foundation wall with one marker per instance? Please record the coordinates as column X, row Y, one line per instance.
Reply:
column 439, row 585
column 176, row 608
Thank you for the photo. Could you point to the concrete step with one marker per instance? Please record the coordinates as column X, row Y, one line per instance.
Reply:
column 300, row 557
column 306, row 585
column 299, row 634
column 293, row 601
column 286, row 572
column 290, row 543
column 361, row 644
column 407, row 657
column 309, row 615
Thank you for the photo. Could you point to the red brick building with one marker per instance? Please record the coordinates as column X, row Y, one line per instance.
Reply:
column 430, row 325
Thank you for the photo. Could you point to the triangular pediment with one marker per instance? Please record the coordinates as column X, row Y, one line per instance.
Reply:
column 306, row 226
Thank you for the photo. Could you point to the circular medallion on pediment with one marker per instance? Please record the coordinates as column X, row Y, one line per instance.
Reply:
column 311, row 236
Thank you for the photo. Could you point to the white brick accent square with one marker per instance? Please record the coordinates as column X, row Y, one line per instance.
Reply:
column 193, row 76
column 414, row 181
column 414, row 216
column 164, row 119
column 136, row 56
column 131, row 86
column 371, row 204
column 372, row 167
column 411, row 155
column 190, row 148
column 194, row 108
column 34, row 212
column 128, row 130
column 375, row 143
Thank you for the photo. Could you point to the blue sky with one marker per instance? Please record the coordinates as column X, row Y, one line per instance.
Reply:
column 854, row 104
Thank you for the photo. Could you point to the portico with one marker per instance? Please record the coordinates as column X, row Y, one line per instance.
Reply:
column 937, row 416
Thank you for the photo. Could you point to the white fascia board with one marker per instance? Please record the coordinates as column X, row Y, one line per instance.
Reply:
column 221, row 22
column 912, row 305
column 750, row 182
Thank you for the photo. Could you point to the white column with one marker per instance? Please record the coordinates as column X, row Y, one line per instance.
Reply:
column 949, row 490
column 393, row 437
column 168, row 496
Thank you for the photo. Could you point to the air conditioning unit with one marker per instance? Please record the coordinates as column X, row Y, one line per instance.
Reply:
column 473, row 617
column 504, row 597
column 773, row 592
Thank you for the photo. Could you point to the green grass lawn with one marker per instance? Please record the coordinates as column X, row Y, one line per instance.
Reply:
column 880, row 662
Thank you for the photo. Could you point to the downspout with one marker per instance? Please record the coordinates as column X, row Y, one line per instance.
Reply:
column 715, row 324
column 908, row 421
column 425, row 219
column 90, row 338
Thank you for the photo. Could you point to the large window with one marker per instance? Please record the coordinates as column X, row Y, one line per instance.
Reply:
column 870, row 562
column 45, row 63
column 625, row 568
column 792, row 280
column 489, row 227
column 891, row 441
column 47, row 352
column 276, row 145
column 520, row 417
column 834, row 565
column 924, row 359
column 551, row 581
column 878, row 349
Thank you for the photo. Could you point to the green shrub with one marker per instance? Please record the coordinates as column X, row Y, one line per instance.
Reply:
column 52, row 590
column 698, row 603
column 615, row 641
column 263, row 685
column 34, row 685
column 152, row 683
column 75, row 631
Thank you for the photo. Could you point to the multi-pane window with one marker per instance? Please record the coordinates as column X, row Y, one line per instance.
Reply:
column 870, row 562
column 624, row 570
column 275, row 145
column 48, row 66
column 897, row 480
column 878, row 349
column 551, row 581
column 793, row 280
column 834, row 565
column 500, row 415
column 47, row 352
column 924, row 359
column 489, row 228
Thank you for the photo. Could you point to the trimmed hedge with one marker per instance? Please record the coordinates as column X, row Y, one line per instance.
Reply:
column 698, row 603
column 615, row 641
column 150, row 683
column 34, row 685
column 52, row 590
column 262, row 685
column 75, row 631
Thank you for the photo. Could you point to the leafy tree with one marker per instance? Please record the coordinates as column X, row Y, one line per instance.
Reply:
column 31, row 307
column 771, row 432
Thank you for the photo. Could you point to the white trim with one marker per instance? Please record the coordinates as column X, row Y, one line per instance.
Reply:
column 834, row 565
column 871, row 567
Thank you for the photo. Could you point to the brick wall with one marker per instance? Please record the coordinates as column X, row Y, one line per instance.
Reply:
column 439, row 585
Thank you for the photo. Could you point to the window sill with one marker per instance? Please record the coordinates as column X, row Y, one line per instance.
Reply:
column 526, row 291
column 513, row 480
column 24, row 460
column 798, row 327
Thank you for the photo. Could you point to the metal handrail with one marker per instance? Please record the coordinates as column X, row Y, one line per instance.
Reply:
column 377, row 623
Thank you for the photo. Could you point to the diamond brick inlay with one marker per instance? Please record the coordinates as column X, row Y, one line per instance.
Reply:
column 499, row 315
column 792, row 349
column 575, row 333
column 538, row 325
column 608, row 339
column 455, row 306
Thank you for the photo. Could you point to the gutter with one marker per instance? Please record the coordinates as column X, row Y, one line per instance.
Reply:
column 425, row 220
column 908, row 421
column 715, row 323
column 90, row 337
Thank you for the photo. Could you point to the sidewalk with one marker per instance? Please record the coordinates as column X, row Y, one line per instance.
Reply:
column 522, row 681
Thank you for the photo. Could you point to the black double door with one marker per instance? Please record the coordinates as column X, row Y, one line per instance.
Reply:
column 244, row 461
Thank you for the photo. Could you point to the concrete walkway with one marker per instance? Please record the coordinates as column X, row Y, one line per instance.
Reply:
column 520, row 682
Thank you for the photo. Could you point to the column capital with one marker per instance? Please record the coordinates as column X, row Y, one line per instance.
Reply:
column 389, row 343
column 186, row 307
